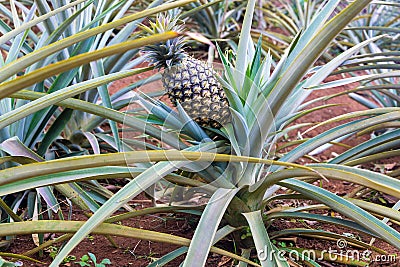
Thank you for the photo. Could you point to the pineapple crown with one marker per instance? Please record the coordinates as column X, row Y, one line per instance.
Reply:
column 171, row 52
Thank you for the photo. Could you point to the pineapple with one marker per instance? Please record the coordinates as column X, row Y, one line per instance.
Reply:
column 187, row 81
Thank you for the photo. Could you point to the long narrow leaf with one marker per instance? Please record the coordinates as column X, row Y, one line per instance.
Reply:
column 14, row 67
column 43, row 226
column 265, row 250
column 109, row 114
column 346, row 208
column 123, row 158
column 35, row 76
column 244, row 40
column 207, row 227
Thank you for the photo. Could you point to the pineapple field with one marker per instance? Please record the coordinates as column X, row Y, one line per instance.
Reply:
column 199, row 133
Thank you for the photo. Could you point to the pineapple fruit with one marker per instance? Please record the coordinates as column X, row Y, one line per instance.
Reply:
column 187, row 81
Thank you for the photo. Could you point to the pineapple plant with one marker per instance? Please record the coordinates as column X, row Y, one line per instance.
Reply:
column 187, row 81
column 242, row 202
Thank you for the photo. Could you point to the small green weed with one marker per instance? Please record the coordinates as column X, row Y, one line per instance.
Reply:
column 53, row 251
column 90, row 258
column 282, row 244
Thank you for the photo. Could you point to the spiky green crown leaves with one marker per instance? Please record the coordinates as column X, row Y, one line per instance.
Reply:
column 170, row 53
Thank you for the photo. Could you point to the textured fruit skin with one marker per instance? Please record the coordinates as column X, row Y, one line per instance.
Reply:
column 192, row 83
